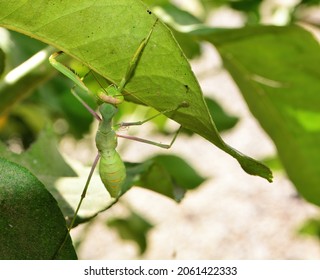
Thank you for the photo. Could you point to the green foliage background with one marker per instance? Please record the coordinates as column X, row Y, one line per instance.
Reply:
column 276, row 69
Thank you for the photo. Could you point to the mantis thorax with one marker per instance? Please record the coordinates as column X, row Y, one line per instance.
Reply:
column 106, row 137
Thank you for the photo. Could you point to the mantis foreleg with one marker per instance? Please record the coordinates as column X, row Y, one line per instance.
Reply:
column 67, row 71
column 134, row 60
column 91, row 111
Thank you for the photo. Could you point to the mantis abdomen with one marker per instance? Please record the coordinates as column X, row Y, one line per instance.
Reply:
column 112, row 171
column 111, row 168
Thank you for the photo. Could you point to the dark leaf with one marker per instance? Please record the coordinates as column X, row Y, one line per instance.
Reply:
column 32, row 225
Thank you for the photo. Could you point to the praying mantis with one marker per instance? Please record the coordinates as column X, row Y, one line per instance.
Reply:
column 112, row 170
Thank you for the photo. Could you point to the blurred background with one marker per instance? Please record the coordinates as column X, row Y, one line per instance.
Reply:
column 232, row 215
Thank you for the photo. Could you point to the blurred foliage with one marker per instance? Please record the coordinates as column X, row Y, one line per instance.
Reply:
column 311, row 227
column 49, row 103
column 308, row 3
column 250, row 8
column 42, row 158
column 169, row 175
column 274, row 163
column 281, row 93
column 222, row 120
column 177, row 18
column 134, row 228
column 21, row 48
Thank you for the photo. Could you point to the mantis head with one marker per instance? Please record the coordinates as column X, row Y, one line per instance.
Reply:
column 107, row 111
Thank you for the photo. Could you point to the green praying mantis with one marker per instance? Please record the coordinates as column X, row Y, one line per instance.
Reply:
column 112, row 170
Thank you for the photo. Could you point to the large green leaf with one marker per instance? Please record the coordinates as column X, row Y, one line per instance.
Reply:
column 104, row 35
column 277, row 70
column 32, row 225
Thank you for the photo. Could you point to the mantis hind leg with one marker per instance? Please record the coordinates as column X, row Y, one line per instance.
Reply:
column 183, row 104
column 158, row 144
column 165, row 146
column 83, row 195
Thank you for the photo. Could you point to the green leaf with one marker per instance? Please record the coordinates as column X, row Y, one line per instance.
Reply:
column 134, row 228
column 277, row 71
column 170, row 176
column 42, row 158
column 29, row 217
column 156, row 2
column 104, row 35
column 222, row 120
column 274, row 163
column 183, row 175
column 45, row 161
column 32, row 116
column 311, row 227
